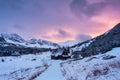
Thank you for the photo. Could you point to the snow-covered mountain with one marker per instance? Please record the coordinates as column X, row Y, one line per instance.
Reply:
column 41, row 43
column 13, row 44
column 12, row 38
column 16, row 39
column 100, row 44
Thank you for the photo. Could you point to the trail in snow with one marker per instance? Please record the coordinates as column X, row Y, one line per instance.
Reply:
column 53, row 72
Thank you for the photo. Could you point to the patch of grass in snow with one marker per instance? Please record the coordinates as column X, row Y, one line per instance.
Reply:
column 27, row 73
column 103, row 69
column 82, row 70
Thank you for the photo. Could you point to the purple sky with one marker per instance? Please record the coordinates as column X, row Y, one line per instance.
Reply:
column 58, row 20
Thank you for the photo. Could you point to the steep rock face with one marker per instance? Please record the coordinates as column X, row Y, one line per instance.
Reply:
column 102, row 43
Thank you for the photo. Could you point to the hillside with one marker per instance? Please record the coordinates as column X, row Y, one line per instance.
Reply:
column 99, row 67
column 13, row 44
column 100, row 44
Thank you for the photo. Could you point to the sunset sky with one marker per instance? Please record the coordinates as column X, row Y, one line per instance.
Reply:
column 58, row 20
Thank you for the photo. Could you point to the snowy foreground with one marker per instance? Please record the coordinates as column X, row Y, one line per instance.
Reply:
column 41, row 67
column 53, row 72
column 26, row 67
column 101, row 67
column 30, row 67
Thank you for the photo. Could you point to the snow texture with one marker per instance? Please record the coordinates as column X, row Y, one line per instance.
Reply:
column 53, row 72
column 41, row 67
column 98, row 67
column 23, row 67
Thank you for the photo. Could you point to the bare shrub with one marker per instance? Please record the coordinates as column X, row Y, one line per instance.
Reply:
column 102, row 68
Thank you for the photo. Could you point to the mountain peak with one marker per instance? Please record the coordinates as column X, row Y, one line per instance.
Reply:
column 118, row 24
column 114, row 30
column 117, row 27
column 12, row 37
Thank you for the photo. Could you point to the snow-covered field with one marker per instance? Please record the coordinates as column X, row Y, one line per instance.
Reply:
column 53, row 72
column 100, row 67
column 30, row 67
column 41, row 67
column 23, row 67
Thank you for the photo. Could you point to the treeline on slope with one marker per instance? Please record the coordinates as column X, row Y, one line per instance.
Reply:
column 16, row 50
column 101, row 44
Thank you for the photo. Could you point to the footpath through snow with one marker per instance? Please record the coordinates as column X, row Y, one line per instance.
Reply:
column 53, row 72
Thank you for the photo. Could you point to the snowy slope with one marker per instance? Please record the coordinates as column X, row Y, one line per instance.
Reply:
column 99, row 67
column 12, row 37
column 80, row 46
column 41, row 43
column 100, row 44
column 38, row 43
